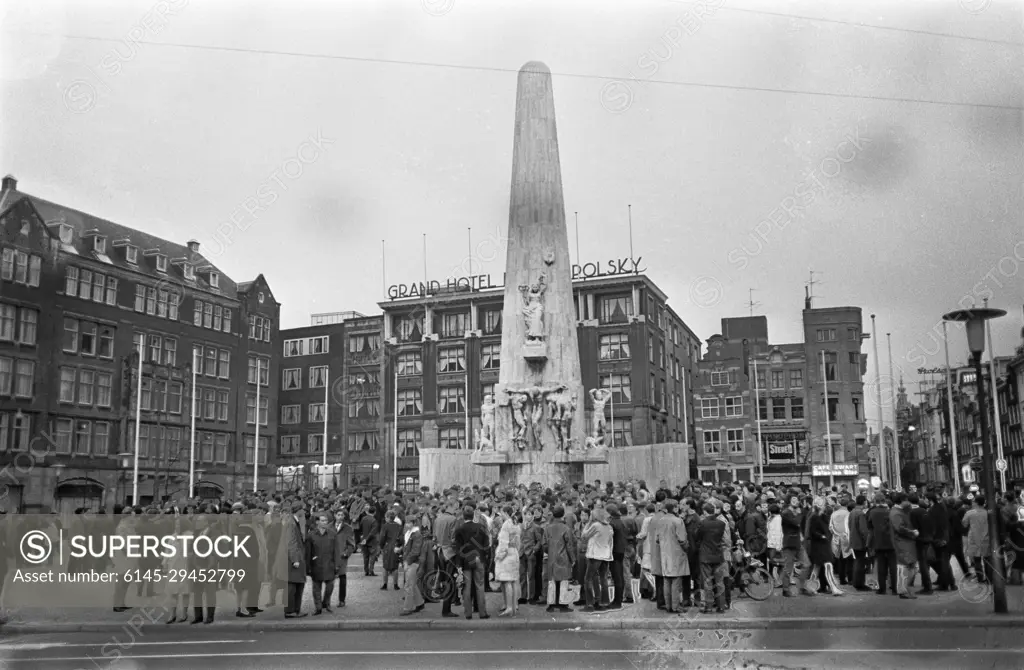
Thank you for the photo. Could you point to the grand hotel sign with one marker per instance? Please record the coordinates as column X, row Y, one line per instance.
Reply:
column 613, row 267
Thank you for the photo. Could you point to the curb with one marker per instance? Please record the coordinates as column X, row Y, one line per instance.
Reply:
column 710, row 622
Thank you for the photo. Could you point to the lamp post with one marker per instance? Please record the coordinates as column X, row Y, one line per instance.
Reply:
column 975, row 320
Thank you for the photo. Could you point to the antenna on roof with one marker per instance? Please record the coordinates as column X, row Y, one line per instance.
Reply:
column 751, row 304
column 810, row 288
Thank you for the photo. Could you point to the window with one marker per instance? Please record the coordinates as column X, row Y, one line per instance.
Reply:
column 409, row 442
column 363, row 343
column 733, row 406
column 614, row 346
column 854, row 366
column 833, row 409
column 410, row 363
column 720, row 378
column 8, row 318
column 211, row 362
column 150, row 301
column 218, row 317
column 709, row 408
column 101, row 438
column 86, row 383
column 620, row 386
column 224, row 365
column 318, row 377
column 290, row 444
column 661, row 353
column 64, row 435
column 319, row 345
column 826, row 334
column 197, row 314
column 362, row 441
column 293, row 348
column 250, row 409
column 161, row 263
column 161, row 303
column 409, row 328
column 220, row 448
column 410, row 402
column 650, row 348
column 315, row 444
column 778, row 409
column 291, row 379
column 487, row 390
column 762, row 409
column 734, row 440
column 316, row 412
column 831, row 369
column 170, row 351
column 762, row 381
column 28, row 326
column 451, row 438
column 853, row 334
column 207, row 315
column 856, row 409
column 214, row 278
column 24, row 378
column 451, row 399
column 140, row 298
column 250, row 442
column 111, row 291
column 83, row 438
column 712, row 442
column 223, row 398
column 21, row 267
column 87, row 341
column 131, row 254
column 261, row 366
column 188, row 271
column 409, row 484
column 796, row 408
column 104, row 386
column 451, row 359
column 259, row 328
column 778, row 379
column 106, row 342
column 492, row 322
column 490, row 356
column 291, row 414
column 70, row 335
column 796, row 379
column 454, row 325
column 68, row 377
column 622, row 432
column 615, row 309
column 156, row 344
column 363, row 408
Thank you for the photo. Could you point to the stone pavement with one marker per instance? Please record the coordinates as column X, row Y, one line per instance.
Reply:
column 368, row 607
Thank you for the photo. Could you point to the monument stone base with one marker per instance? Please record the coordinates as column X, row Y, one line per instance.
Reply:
column 535, row 352
column 525, row 467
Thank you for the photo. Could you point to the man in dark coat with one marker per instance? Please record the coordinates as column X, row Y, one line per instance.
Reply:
column 296, row 548
column 711, row 539
column 904, row 541
column 560, row 546
column 939, row 517
column 793, row 550
column 881, row 544
column 922, row 523
column 345, row 538
column 618, row 554
column 368, row 531
column 860, row 542
column 471, row 543
column 322, row 556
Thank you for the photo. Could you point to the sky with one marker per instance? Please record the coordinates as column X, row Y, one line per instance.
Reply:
column 875, row 144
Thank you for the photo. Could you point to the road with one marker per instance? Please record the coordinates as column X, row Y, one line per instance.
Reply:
column 874, row 649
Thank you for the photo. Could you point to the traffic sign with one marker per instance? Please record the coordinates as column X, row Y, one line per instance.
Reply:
column 1001, row 465
column 976, row 464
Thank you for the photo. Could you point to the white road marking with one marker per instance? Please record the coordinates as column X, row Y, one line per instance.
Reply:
column 34, row 646
column 30, row 646
column 493, row 652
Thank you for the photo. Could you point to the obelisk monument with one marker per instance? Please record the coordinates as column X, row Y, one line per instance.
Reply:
column 539, row 432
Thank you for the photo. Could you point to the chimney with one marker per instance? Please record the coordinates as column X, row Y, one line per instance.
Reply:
column 10, row 184
column 807, row 297
column 193, row 246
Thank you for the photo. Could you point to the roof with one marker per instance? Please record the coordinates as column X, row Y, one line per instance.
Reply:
column 82, row 223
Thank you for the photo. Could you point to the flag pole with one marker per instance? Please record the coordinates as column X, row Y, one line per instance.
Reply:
column 192, row 435
column 995, row 401
column 256, row 440
column 828, row 425
column 896, row 475
column 327, row 404
column 952, row 416
column 394, row 437
column 882, row 464
column 757, row 418
column 138, row 431
column 629, row 208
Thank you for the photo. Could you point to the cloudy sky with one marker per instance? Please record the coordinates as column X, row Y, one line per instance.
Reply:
column 876, row 143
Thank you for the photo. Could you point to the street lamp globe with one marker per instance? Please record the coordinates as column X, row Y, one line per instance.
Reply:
column 975, row 319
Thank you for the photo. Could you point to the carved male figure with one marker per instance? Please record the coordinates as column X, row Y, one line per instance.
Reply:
column 517, row 402
column 533, row 308
column 600, row 398
column 487, row 418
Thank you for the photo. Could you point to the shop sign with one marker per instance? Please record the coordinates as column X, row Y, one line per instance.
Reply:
column 839, row 470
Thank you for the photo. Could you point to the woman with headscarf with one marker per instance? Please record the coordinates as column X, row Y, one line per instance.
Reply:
column 820, row 544
column 390, row 539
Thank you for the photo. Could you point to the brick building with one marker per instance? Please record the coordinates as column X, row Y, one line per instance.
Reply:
column 789, row 394
column 80, row 299
column 444, row 352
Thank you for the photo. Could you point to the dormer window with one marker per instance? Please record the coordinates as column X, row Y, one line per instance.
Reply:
column 131, row 254
column 214, row 280
column 189, row 272
column 67, row 233
column 99, row 244
column 161, row 263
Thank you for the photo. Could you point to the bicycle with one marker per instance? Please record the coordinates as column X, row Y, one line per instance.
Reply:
column 439, row 584
column 751, row 575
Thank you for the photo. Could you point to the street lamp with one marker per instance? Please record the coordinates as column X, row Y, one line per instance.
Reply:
column 975, row 320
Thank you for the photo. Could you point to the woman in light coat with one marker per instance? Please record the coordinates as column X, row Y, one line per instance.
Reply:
column 506, row 560
column 839, row 526
column 672, row 542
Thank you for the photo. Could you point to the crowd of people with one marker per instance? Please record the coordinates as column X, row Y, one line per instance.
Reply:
column 617, row 542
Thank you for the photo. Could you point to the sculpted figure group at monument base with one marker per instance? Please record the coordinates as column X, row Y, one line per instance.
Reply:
column 533, row 309
column 485, row 436
column 526, row 407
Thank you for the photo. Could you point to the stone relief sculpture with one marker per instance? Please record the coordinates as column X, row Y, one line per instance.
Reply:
column 599, row 426
column 487, row 419
column 562, row 408
column 517, row 403
column 533, row 309
column 483, row 443
column 536, row 396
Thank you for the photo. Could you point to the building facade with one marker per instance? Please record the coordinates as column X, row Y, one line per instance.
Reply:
column 82, row 301
column 443, row 357
column 776, row 409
